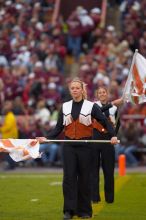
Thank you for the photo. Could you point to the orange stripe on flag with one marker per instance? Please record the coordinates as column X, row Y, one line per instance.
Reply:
column 25, row 152
column 33, row 143
column 137, row 80
column 7, row 143
column 135, row 99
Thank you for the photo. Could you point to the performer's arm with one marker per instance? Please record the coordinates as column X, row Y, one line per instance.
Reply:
column 116, row 103
column 106, row 107
column 100, row 117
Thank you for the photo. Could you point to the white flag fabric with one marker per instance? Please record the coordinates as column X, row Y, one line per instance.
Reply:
column 135, row 88
column 20, row 149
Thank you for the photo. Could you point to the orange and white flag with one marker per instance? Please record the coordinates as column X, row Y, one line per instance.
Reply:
column 20, row 149
column 135, row 87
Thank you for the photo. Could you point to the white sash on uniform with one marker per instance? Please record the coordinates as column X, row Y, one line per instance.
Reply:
column 85, row 114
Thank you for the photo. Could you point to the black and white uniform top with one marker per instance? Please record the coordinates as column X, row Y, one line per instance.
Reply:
column 110, row 111
column 76, row 109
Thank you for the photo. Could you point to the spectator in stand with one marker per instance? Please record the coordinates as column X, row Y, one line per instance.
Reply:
column 51, row 94
column 142, row 43
column 53, row 108
column 51, row 60
column 95, row 14
column 2, row 94
column 42, row 114
column 65, row 94
column 39, row 71
column 9, row 129
column 130, row 143
column 18, row 106
column 49, row 150
column 61, row 51
column 87, row 25
column 74, row 34
column 36, row 90
column 10, row 86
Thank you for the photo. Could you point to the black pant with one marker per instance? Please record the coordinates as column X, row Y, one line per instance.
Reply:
column 103, row 153
column 76, row 180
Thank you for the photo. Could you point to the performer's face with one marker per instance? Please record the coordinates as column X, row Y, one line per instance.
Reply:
column 76, row 91
column 102, row 95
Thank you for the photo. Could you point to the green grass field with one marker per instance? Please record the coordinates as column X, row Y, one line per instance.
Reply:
column 39, row 197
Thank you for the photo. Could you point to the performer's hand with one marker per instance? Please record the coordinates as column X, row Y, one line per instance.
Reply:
column 114, row 140
column 41, row 139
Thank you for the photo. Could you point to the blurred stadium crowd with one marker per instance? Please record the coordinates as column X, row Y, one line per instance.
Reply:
column 34, row 53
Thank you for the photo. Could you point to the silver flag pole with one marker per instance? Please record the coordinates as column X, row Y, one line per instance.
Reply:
column 79, row 141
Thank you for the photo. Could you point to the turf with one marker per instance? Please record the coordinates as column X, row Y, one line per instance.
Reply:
column 39, row 197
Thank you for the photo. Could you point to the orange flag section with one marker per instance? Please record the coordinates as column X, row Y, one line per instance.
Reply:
column 137, row 80
column 33, row 143
column 25, row 152
column 7, row 143
column 20, row 149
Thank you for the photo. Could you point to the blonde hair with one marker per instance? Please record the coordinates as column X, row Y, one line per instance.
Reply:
column 83, row 85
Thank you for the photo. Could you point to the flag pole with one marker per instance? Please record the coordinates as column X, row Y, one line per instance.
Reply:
column 79, row 141
column 129, row 75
